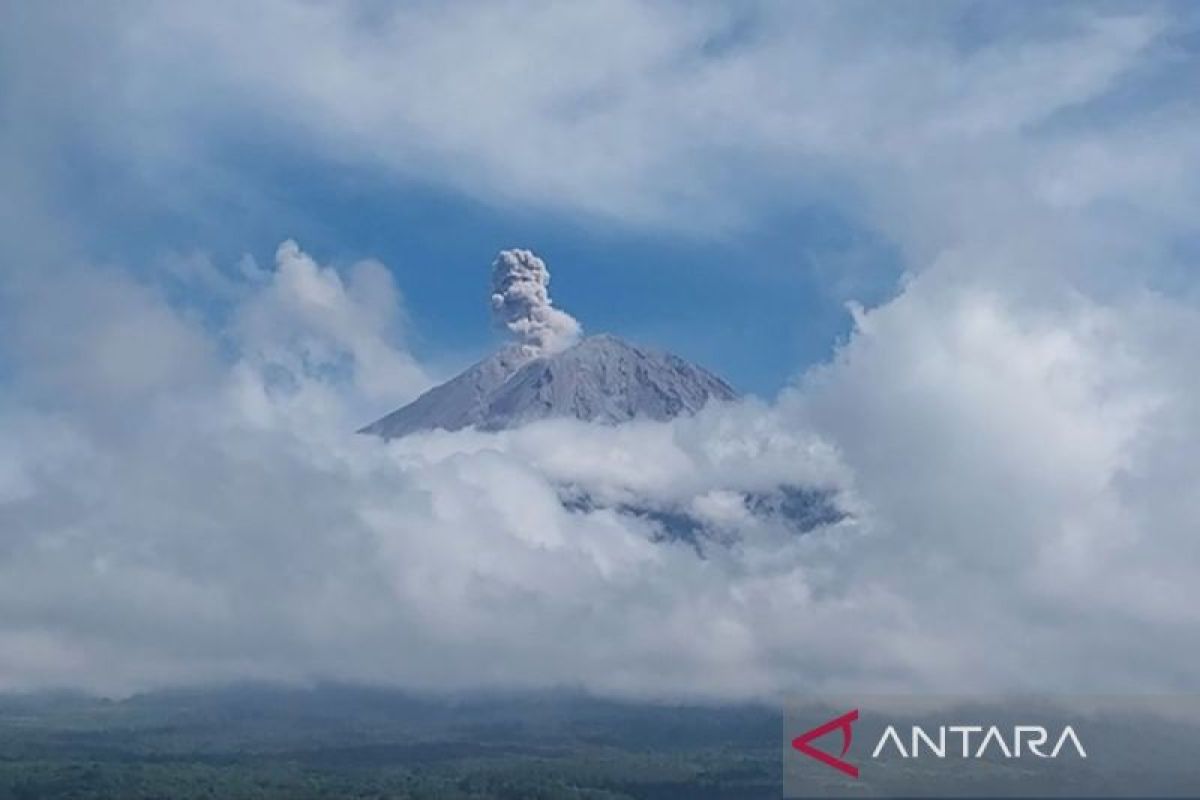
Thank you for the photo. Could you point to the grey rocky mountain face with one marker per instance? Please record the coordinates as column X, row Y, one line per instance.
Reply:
column 799, row 509
column 601, row 379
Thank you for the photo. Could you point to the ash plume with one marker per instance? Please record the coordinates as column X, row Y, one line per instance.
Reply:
column 521, row 303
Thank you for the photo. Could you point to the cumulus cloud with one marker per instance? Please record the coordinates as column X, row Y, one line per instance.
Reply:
column 521, row 303
column 239, row 529
column 304, row 319
column 1020, row 516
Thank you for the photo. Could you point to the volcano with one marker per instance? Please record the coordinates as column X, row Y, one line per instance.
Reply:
column 602, row 379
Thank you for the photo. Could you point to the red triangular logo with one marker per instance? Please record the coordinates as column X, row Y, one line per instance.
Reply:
column 844, row 723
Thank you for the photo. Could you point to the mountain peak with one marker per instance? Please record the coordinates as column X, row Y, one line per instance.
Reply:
column 602, row 378
column 547, row 371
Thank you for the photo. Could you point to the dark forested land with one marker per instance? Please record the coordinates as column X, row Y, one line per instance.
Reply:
column 334, row 742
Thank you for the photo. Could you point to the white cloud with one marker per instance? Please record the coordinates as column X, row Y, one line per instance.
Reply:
column 308, row 322
column 1005, row 467
column 996, row 443
column 660, row 114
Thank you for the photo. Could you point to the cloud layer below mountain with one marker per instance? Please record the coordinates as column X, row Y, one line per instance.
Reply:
column 1022, row 508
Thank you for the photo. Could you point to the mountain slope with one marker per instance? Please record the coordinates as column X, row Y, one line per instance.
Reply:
column 601, row 379
column 458, row 403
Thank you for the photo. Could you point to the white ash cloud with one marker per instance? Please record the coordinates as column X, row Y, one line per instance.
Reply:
column 521, row 303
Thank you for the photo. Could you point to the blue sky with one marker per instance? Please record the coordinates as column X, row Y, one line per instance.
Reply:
column 757, row 305
column 720, row 185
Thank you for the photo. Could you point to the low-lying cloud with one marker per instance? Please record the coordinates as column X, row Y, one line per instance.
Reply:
column 1020, row 514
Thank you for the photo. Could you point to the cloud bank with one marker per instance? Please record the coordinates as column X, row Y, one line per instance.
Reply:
column 1021, row 512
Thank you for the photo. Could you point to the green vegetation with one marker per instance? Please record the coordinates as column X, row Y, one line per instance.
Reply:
column 338, row 742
